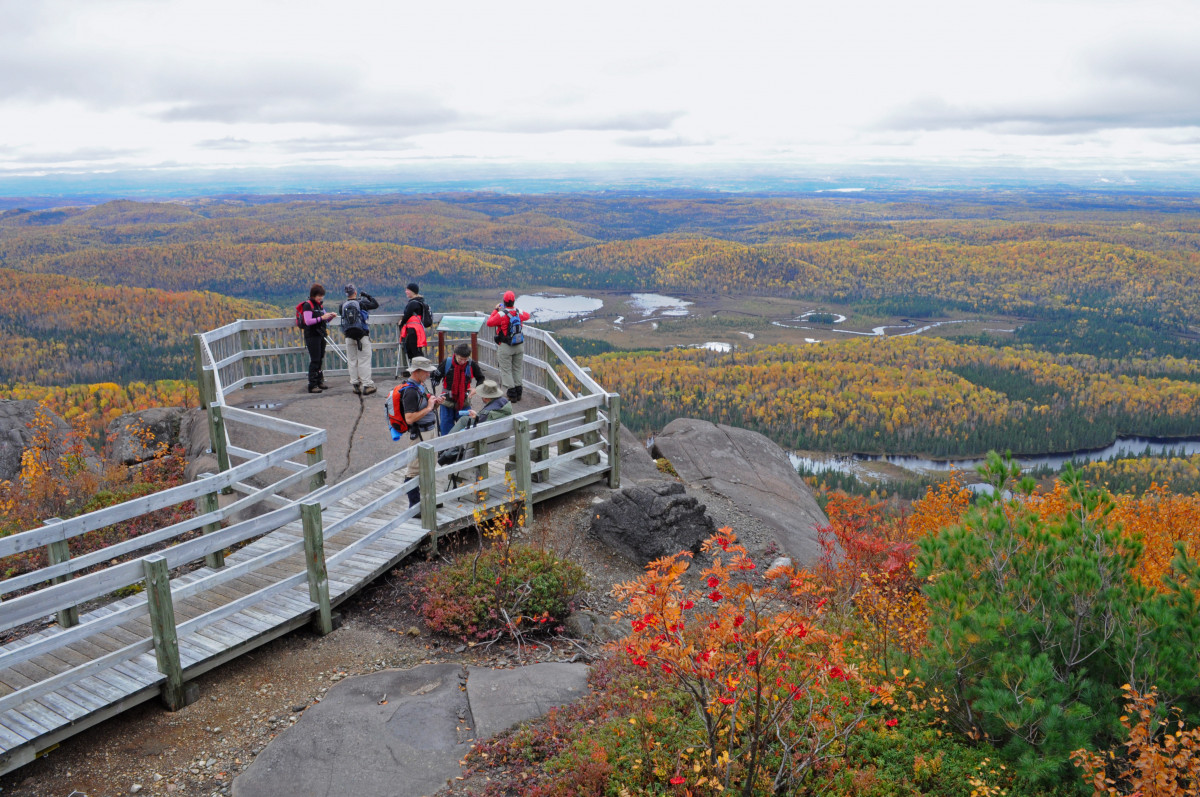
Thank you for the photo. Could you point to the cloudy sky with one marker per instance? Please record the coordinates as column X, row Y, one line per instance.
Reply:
column 101, row 85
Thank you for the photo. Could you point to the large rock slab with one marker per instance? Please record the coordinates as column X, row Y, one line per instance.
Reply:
column 637, row 466
column 16, row 436
column 501, row 699
column 651, row 520
column 402, row 733
column 351, row 744
column 752, row 472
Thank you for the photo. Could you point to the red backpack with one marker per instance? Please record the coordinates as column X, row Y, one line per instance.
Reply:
column 395, row 407
column 300, row 313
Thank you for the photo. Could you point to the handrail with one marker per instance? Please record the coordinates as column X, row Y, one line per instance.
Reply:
column 578, row 426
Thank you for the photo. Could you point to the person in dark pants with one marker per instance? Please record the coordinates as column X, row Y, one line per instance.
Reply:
column 412, row 323
column 314, row 318
column 456, row 373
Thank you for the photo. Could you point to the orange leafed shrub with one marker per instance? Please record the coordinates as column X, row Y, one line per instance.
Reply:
column 1154, row 762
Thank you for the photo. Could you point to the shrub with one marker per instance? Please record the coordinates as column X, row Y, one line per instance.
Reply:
column 1153, row 761
column 1037, row 617
column 480, row 598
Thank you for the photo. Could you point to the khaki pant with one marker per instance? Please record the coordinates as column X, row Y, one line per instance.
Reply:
column 359, row 362
column 414, row 467
column 511, row 361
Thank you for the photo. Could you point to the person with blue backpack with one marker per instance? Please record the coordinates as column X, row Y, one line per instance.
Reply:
column 355, row 312
column 456, row 373
column 509, row 323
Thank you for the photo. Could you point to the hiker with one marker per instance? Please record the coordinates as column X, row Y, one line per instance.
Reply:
column 455, row 374
column 312, row 318
column 497, row 406
column 510, row 339
column 416, row 317
column 417, row 407
column 355, row 312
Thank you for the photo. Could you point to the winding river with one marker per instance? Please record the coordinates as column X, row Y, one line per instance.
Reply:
column 1123, row 447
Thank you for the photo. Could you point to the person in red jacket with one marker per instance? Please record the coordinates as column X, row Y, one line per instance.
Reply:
column 509, row 323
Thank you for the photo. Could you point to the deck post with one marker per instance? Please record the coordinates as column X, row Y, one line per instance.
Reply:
column 162, row 626
column 314, row 557
column 209, row 502
column 481, row 447
column 522, row 463
column 591, row 415
column 427, row 481
column 205, row 388
column 58, row 552
column 541, row 453
column 614, row 440
column 244, row 346
column 317, row 480
column 220, row 441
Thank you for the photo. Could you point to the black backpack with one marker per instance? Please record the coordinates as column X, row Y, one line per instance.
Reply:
column 353, row 326
column 426, row 315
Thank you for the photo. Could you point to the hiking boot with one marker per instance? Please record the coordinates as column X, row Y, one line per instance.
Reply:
column 368, row 390
column 323, row 386
column 314, row 389
column 520, row 392
column 511, row 393
column 414, row 498
column 357, row 389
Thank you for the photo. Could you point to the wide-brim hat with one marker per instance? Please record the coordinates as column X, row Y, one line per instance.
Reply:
column 422, row 364
column 489, row 390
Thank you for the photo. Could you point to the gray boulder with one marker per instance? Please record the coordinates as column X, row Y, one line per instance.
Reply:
column 752, row 472
column 652, row 520
column 16, row 436
column 136, row 437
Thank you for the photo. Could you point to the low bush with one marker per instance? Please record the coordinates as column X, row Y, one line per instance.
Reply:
column 517, row 586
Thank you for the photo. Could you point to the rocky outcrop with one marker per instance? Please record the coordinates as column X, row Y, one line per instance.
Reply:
column 138, row 436
column 752, row 472
column 637, row 466
column 649, row 521
column 16, row 434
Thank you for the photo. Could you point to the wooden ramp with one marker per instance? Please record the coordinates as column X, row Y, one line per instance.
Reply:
column 261, row 577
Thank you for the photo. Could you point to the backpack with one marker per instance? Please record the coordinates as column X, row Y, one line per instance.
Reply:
column 426, row 315
column 395, row 407
column 300, row 313
column 516, row 331
column 353, row 326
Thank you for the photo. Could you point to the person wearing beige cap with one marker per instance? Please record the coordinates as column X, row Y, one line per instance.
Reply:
column 418, row 406
column 496, row 406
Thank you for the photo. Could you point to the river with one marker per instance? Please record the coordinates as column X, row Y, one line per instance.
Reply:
column 1123, row 447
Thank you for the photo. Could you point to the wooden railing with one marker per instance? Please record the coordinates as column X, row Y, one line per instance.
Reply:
column 576, row 434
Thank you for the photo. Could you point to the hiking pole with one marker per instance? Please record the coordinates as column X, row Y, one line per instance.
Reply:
column 338, row 349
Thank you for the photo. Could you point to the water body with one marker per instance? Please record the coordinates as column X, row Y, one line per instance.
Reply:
column 657, row 303
column 713, row 345
column 1123, row 447
column 880, row 331
column 557, row 307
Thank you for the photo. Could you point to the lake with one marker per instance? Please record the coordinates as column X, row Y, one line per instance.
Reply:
column 557, row 307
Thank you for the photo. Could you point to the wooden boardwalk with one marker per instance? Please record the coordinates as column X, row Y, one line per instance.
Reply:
column 262, row 577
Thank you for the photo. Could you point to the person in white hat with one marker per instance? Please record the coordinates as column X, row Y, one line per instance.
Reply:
column 419, row 408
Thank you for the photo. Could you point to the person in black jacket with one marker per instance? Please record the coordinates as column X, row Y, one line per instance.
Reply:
column 412, row 326
column 314, row 319
column 456, row 374
column 355, row 312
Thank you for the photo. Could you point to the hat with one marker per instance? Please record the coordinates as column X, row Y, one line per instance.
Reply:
column 414, row 287
column 350, row 289
column 489, row 390
column 421, row 364
column 463, row 350
column 509, row 297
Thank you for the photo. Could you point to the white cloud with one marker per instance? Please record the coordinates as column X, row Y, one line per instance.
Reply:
column 132, row 83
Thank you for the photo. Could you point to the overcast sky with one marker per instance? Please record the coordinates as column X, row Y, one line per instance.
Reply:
column 127, row 84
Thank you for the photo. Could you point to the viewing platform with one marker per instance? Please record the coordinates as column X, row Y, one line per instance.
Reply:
column 308, row 505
